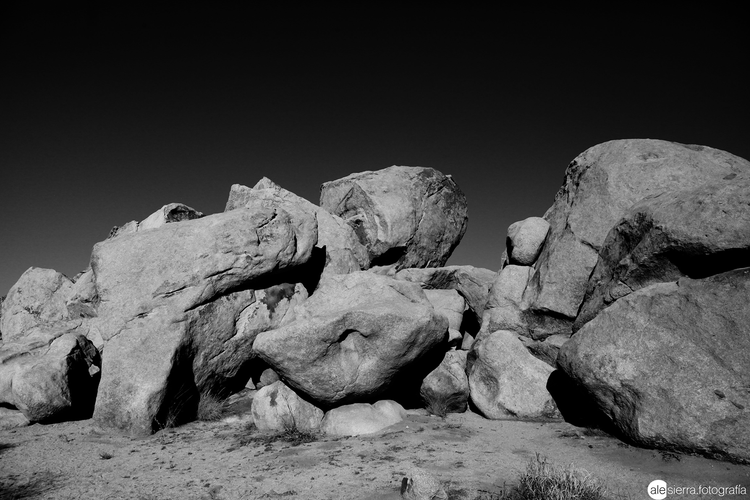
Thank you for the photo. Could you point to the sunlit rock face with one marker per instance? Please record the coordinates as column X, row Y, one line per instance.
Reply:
column 404, row 216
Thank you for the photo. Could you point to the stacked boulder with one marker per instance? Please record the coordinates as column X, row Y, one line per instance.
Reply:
column 646, row 264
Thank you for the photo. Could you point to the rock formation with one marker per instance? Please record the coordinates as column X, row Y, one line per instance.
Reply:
column 668, row 364
column 404, row 216
column 354, row 338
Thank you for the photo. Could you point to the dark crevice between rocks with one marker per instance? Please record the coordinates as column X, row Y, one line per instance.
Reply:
column 577, row 406
column 470, row 323
column 700, row 266
column 390, row 256
column 405, row 388
column 181, row 396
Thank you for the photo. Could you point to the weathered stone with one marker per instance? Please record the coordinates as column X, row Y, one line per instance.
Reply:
column 10, row 419
column 506, row 381
column 668, row 365
column 171, row 309
column 411, row 216
column 51, row 374
column 473, row 283
column 525, row 240
column 449, row 304
column 447, row 387
column 362, row 418
column 344, row 252
column 37, row 298
column 421, row 485
column 172, row 212
column 504, row 310
column 267, row 377
column 354, row 338
column 546, row 349
column 695, row 233
column 278, row 408
column 601, row 184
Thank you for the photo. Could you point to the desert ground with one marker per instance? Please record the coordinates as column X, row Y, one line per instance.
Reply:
column 228, row 459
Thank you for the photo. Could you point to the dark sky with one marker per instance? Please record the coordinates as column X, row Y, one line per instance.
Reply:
column 106, row 115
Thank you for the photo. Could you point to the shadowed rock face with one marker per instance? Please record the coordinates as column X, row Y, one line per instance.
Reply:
column 696, row 233
column 668, row 365
column 171, row 301
column 600, row 186
column 407, row 216
column 354, row 338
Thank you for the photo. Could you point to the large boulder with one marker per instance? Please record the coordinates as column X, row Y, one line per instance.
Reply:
column 170, row 309
column 696, row 233
column 278, row 408
column 668, row 363
column 361, row 418
column 51, row 374
column 448, row 303
column 354, row 338
column 504, row 309
column 37, row 298
column 473, row 283
column 343, row 251
column 601, row 185
column 446, row 388
column 407, row 216
column 525, row 240
column 506, row 381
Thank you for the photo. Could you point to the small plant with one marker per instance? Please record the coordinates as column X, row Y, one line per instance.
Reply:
column 545, row 481
column 440, row 404
column 210, row 408
column 106, row 456
column 291, row 434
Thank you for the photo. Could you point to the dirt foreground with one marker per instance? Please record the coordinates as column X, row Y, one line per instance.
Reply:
column 221, row 461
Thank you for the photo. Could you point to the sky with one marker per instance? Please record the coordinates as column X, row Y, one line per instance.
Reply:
column 106, row 115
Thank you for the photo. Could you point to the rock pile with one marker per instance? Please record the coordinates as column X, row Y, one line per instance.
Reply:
column 629, row 295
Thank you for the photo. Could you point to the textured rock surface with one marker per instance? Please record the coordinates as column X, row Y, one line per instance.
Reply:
column 278, row 408
column 668, row 365
column 447, row 386
column 695, row 233
column 168, row 304
column 172, row 212
column 362, row 418
column 411, row 216
column 421, row 485
column 449, row 304
column 601, row 184
column 353, row 338
column 10, row 419
column 506, row 381
column 473, row 283
column 344, row 252
column 50, row 374
column 504, row 309
column 525, row 240
column 37, row 298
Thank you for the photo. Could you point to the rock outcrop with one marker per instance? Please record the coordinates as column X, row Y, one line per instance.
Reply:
column 696, row 233
column 354, row 338
column 506, row 381
column 50, row 374
column 668, row 365
column 168, row 295
column 343, row 251
column 406, row 216
column 600, row 186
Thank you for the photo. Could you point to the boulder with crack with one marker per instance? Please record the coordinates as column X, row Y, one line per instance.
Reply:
column 358, row 336
column 667, row 364
column 171, row 303
column 404, row 216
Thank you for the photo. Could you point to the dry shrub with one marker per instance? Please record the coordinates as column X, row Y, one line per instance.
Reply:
column 545, row 481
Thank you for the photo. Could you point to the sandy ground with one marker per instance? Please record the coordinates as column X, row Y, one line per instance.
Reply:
column 221, row 461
